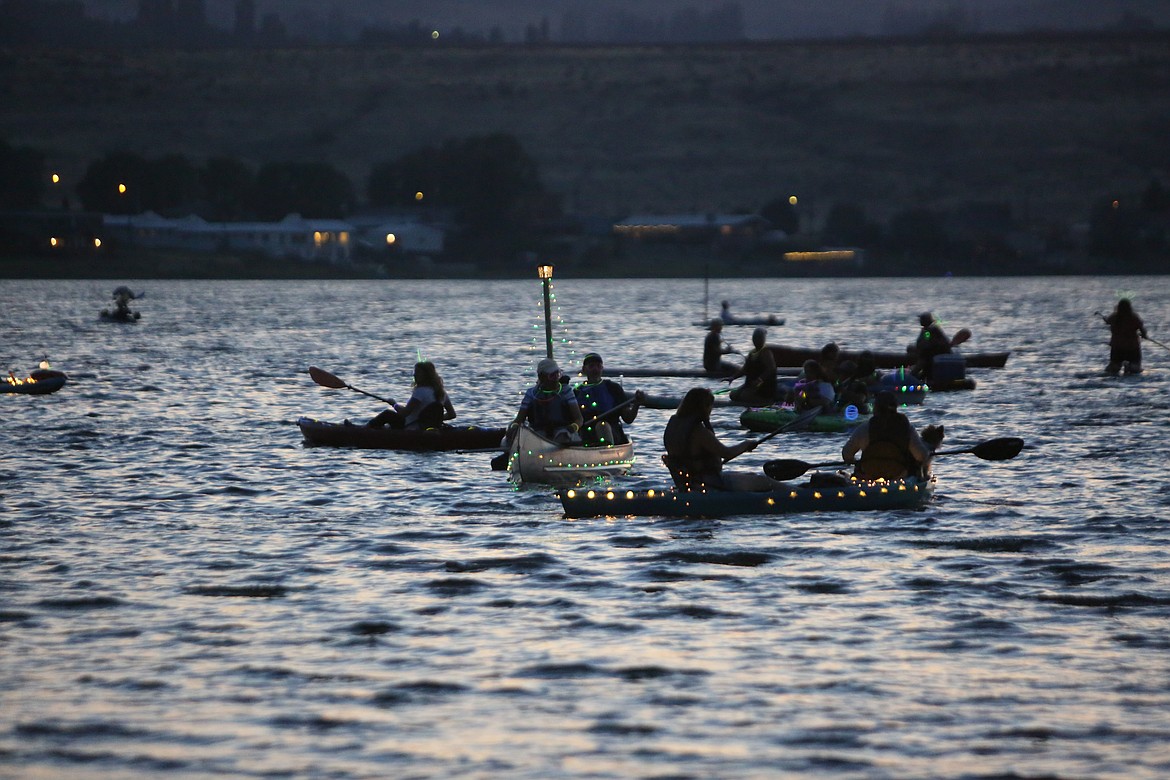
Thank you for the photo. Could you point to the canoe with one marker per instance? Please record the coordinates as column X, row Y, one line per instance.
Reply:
column 853, row 496
column 795, row 356
column 535, row 458
column 39, row 382
column 771, row 418
column 327, row 434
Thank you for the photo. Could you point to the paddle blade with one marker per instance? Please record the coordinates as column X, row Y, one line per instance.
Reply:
column 999, row 449
column 961, row 337
column 325, row 379
column 782, row 470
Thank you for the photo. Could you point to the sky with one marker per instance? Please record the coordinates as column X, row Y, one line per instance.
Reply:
column 764, row 19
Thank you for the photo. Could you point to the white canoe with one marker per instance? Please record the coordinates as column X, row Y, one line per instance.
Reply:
column 535, row 458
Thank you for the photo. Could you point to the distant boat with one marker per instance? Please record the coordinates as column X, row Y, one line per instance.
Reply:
column 41, row 381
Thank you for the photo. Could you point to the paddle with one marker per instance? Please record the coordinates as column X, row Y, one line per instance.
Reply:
column 325, row 379
column 961, row 336
column 1147, row 338
column 993, row 449
column 798, row 423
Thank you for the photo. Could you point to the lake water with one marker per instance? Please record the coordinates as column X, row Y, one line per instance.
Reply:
column 187, row 591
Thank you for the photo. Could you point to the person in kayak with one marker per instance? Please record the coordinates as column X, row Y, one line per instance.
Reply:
column 759, row 373
column 597, row 397
column 813, row 389
column 890, row 446
column 695, row 456
column 429, row 405
column 1126, row 331
column 931, row 342
column 714, row 348
column 549, row 407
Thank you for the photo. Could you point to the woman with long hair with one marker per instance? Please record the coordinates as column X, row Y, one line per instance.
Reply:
column 429, row 405
column 695, row 456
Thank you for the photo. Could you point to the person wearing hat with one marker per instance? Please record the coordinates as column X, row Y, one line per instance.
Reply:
column 603, row 404
column 930, row 343
column 890, row 447
column 714, row 348
column 549, row 407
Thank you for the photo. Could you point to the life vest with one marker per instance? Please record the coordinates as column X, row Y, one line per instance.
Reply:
column 887, row 456
column 598, row 399
column 548, row 411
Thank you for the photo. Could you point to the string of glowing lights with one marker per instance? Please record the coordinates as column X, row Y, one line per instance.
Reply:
column 563, row 351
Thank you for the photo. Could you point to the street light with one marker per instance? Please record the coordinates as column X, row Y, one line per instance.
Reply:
column 545, row 273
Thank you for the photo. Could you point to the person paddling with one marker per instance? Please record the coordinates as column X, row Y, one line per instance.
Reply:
column 695, row 456
column 1126, row 331
column 604, row 400
column 714, row 348
column 931, row 342
column 429, row 405
column 549, row 407
column 890, row 447
column 759, row 372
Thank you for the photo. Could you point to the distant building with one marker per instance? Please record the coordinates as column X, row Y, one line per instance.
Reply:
column 725, row 231
column 398, row 234
column 294, row 237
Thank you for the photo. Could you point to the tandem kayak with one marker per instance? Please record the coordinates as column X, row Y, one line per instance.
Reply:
column 772, row 418
column 536, row 458
column 327, row 434
column 39, row 382
column 850, row 496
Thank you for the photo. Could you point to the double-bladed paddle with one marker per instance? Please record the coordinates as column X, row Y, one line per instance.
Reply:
column 325, row 379
column 993, row 449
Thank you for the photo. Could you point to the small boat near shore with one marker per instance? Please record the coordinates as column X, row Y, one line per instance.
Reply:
column 822, row 493
column 41, row 381
column 326, row 434
column 536, row 458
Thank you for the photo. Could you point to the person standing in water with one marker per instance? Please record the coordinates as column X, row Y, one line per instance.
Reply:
column 1126, row 331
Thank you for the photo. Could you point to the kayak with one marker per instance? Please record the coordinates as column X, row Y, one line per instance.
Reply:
column 327, row 434
column 820, row 494
column 795, row 356
column 115, row 316
column 771, row 418
column 39, row 382
column 536, row 458
column 758, row 321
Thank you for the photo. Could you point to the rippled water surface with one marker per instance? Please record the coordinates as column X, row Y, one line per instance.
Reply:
column 187, row 591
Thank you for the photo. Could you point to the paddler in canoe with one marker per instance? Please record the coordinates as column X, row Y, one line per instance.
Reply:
column 549, row 407
column 890, row 446
column 429, row 405
column 695, row 456
column 605, row 403
column 759, row 372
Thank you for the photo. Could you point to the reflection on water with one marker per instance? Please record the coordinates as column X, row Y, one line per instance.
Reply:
column 188, row 591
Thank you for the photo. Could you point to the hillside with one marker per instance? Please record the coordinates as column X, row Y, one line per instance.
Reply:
column 1047, row 126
